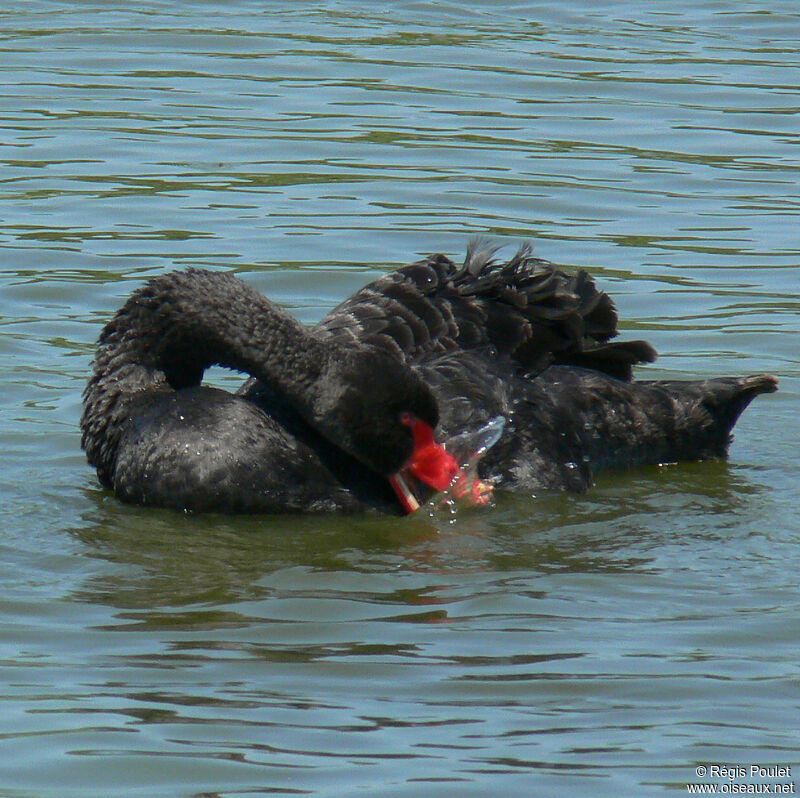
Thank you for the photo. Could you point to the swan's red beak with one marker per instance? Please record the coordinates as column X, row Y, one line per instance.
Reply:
column 432, row 464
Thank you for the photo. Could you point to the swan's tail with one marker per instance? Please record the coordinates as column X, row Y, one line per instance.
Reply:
column 673, row 421
column 717, row 404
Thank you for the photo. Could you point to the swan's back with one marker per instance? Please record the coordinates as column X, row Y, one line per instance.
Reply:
column 525, row 308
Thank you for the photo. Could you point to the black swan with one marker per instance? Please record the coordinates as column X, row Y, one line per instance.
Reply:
column 434, row 376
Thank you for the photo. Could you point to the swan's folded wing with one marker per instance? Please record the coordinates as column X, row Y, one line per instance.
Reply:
column 526, row 308
column 408, row 312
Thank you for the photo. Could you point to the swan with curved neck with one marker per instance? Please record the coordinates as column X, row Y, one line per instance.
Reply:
column 167, row 334
column 351, row 414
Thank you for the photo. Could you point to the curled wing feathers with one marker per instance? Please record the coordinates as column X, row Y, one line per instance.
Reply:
column 526, row 308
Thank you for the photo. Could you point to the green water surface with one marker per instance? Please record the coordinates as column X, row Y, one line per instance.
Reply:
column 597, row 645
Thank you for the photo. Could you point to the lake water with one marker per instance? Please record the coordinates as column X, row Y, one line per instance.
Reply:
column 598, row 645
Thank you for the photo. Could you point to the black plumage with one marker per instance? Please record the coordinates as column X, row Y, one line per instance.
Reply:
column 317, row 426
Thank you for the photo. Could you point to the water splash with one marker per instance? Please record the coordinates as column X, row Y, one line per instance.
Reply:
column 467, row 487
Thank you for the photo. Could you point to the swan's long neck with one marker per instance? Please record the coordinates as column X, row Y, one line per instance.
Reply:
column 171, row 330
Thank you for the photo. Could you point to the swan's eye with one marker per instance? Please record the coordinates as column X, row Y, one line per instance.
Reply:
column 407, row 418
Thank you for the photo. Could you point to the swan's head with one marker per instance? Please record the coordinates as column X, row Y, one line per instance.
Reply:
column 381, row 411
